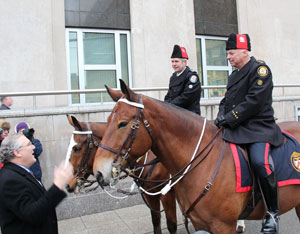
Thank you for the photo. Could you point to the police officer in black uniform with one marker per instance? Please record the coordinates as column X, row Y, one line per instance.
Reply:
column 185, row 87
column 247, row 116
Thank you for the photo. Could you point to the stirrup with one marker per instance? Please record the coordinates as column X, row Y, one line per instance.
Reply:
column 275, row 220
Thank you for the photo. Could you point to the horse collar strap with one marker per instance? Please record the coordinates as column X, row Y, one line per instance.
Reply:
column 139, row 105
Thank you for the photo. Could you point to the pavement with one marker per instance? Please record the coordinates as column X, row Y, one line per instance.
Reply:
column 137, row 220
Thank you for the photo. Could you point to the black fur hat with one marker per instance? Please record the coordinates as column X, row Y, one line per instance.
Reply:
column 238, row 41
column 179, row 52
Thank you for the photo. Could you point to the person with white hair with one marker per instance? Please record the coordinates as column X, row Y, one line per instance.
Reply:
column 26, row 207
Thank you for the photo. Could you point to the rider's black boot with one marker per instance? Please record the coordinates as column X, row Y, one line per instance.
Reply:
column 270, row 193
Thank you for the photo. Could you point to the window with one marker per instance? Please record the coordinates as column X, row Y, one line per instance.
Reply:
column 97, row 58
column 297, row 110
column 213, row 67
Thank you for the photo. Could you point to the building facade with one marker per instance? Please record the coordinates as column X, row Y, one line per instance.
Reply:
column 50, row 45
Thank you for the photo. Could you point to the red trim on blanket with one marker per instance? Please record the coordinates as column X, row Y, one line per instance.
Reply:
column 288, row 182
column 237, row 163
column 289, row 134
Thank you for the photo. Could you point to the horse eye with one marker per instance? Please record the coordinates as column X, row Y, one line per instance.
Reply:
column 122, row 124
column 76, row 149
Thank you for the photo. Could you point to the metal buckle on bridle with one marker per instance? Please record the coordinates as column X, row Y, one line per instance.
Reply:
column 147, row 125
column 208, row 186
column 135, row 125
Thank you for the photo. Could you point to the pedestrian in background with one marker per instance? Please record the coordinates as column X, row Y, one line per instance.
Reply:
column 6, row 103
column 24, row 128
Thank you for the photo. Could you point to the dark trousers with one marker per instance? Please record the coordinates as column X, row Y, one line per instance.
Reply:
column 260, row 158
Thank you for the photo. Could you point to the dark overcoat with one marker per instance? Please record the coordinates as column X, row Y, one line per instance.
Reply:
column 247, row 106
column 185, row 90
column 25, row 206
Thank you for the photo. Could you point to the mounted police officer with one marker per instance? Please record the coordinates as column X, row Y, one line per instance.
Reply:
column 185, row 87
column 247, row 116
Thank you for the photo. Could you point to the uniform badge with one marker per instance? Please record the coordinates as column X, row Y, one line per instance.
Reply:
column 190, row 86
column 193, row 79
column 295, row 161
column 262, row 71
column 259, row 82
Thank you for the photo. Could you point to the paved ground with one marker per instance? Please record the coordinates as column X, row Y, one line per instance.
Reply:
column 137, row 220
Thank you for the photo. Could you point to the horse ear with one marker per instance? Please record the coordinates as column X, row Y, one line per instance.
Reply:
column 74, row 122
column 70, row 120
column 129, row 94
column 114, row 94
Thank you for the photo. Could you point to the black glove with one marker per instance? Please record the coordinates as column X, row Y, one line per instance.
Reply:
column 220, row 121
column 28, row 132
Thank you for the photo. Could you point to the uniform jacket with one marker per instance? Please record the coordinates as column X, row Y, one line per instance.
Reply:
column 247, row 106
column 26, row 207
column 185, row 90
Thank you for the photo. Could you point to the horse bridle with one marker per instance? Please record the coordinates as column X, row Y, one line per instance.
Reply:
column 131, row 135
column 82, row 171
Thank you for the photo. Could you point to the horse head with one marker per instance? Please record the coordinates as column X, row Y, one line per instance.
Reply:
column 126, row 138
column 85, row 138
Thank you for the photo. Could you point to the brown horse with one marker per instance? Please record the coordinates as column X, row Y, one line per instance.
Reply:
column 172, row 134
column 82, row 159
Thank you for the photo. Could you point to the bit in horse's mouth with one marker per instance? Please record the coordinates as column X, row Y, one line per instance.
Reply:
column 100, row 179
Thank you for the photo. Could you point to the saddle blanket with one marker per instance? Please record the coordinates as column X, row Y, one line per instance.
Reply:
column 286, row 160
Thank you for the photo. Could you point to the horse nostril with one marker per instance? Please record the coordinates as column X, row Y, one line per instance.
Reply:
column 69, row 189
column 100, row 179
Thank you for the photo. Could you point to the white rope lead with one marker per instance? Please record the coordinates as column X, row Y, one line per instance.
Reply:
column 168, row 186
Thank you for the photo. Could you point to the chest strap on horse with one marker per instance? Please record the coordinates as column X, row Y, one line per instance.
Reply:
column 205, row 190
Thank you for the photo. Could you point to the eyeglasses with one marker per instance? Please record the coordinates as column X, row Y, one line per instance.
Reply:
column 29, row 144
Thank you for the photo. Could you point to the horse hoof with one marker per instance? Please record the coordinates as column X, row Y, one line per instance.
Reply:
column 240, row 229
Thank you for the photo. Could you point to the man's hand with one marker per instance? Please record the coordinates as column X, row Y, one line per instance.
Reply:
column 220, row 121
column 63, row 174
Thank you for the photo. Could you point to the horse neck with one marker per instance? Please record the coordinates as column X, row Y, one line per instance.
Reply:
column 176, row 134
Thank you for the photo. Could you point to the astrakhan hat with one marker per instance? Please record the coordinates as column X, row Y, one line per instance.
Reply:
column 179, row 52
column 238, row 41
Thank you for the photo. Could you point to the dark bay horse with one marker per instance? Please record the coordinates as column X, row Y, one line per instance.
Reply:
column 87, row 136
column 174, row 136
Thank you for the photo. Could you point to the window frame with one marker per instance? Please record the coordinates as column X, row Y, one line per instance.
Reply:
column 206, row 68
column 82, row 67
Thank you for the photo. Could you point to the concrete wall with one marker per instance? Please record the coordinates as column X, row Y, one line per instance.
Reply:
column 156, row 26
column 33, row 54
column 274, row 28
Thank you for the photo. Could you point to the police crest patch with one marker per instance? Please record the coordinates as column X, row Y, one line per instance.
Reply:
column 193, row 79
column 262, row 71
column 295, row 161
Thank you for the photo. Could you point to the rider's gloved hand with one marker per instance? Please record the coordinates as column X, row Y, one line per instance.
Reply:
column 220, row 121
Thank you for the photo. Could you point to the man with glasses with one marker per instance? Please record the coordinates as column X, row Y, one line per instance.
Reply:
column 26, row 206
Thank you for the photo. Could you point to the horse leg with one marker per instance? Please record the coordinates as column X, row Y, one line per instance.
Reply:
column 297, row 208
column 240, row 226
column 169, row 204
column 154, row 205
